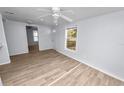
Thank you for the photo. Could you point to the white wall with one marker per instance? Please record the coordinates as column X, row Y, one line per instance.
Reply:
column 100, row 43
column 45, row 38
column 16, row 37
column 4, row 55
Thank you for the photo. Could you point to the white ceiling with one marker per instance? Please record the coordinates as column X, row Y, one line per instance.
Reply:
column 24, row 14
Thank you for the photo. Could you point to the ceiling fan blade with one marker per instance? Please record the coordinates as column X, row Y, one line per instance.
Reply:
column 44, row 10
column 66, row 18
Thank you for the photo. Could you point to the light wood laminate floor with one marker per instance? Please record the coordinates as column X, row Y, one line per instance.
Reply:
column 51, row 68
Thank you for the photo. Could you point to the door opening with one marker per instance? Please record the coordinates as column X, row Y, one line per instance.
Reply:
column 33, row 39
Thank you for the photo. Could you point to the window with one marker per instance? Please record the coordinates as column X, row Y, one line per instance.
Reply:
column 71, row 36
column 35, row 35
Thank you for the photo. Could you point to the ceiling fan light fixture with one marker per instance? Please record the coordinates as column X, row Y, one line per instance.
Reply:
column 55, row 9
column 56, row 16
column 56, row 13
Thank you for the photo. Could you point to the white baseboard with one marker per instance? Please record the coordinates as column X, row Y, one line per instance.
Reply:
column 94, row 67
column 45, row 49
column 14, row 54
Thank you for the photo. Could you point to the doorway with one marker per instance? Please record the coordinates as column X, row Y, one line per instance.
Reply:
column 33, row 39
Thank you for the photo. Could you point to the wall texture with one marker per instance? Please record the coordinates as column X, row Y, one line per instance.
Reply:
column 45, row 38
column 100, row 43
column 4, row 55
column 16, row 37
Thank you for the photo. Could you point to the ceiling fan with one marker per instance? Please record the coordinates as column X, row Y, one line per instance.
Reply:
column 56, row 13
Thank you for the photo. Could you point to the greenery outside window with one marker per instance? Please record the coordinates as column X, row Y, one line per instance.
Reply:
column 71, row 37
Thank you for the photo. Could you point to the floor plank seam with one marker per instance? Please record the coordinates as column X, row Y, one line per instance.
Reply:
column 51, row 68
column 64, row 75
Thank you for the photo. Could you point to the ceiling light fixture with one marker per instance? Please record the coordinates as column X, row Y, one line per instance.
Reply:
column 56, row 13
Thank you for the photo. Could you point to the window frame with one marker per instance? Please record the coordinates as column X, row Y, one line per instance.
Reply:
column 66, row 33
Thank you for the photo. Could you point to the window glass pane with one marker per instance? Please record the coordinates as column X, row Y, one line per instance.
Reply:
column 71, row 38
column 36, row 38
column 35, row 33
